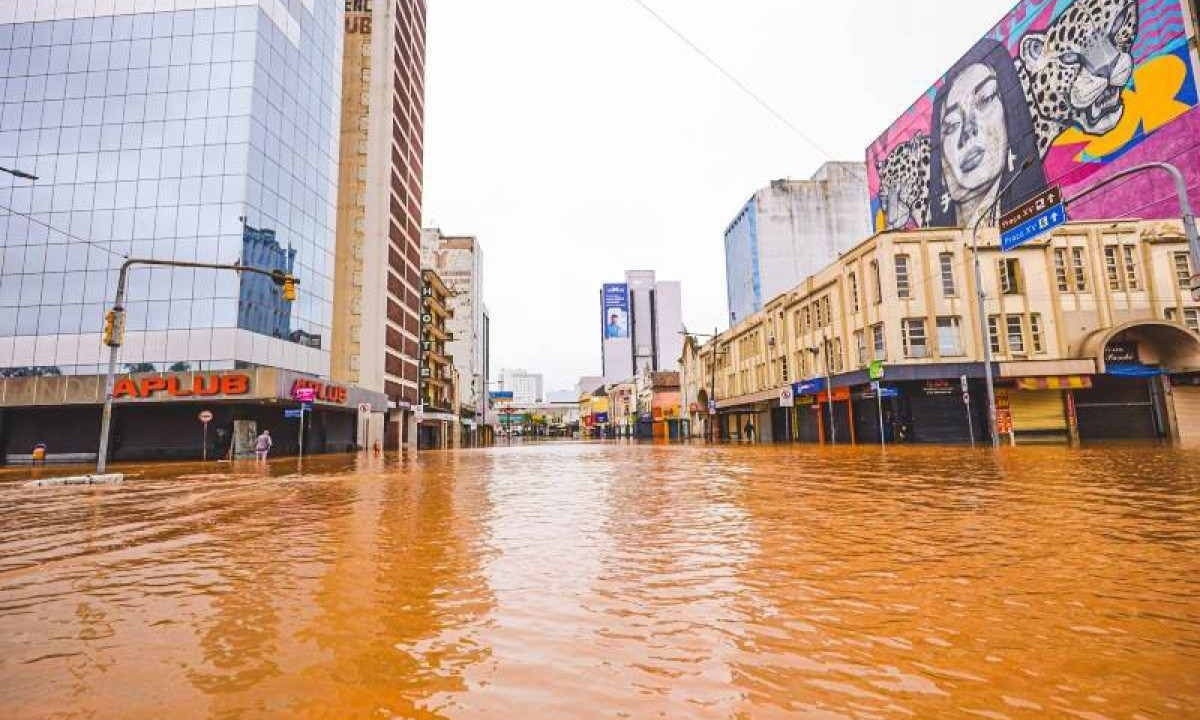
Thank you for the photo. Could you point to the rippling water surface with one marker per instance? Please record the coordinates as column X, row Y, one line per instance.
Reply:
column 613, row 581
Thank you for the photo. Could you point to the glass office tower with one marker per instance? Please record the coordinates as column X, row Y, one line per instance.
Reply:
column 190, row 134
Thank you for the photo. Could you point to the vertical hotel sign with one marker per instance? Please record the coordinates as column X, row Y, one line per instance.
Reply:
column 358, row 17
column 615, row 307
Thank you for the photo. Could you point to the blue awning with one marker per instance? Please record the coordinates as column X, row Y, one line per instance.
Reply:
column 1132, row 370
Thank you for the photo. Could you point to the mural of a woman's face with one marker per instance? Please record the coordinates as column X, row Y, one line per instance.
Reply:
column 974, row 136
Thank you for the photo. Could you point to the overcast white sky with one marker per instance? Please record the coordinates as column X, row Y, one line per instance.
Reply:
column 578, row 139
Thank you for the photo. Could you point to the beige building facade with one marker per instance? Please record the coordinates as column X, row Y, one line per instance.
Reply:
column 1093, row 331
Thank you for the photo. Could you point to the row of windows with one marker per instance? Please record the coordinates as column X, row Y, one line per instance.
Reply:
column 128, row 27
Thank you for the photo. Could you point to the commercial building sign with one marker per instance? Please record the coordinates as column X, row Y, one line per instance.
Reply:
column 808, row 387
column 322, row 391
column 182, row 386
column 615, row 307
column 1057, row 93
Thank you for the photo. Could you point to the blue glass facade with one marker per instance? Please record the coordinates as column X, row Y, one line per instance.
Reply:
column 167, row 135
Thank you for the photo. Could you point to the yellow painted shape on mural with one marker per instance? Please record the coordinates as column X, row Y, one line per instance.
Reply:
column 1150, row 106
column 880, row 220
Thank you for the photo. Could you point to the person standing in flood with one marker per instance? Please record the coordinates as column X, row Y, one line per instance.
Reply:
column 262, row 445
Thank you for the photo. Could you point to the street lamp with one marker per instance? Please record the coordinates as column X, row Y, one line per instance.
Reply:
column 980, row 296
column 114, row 329
column 18, row 173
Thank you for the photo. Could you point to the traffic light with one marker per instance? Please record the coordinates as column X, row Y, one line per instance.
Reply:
column 114, row 327
column 289, row 288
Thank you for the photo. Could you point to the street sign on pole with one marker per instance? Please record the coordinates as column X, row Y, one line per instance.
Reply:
column 786, row 398
column 875, row 370
column 712, row 407
column 205, row 418
column 292, row 413
column 962, row 380
column 1036, row 216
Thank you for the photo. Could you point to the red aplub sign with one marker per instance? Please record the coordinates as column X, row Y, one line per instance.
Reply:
column 182, row 386
column 324, row 392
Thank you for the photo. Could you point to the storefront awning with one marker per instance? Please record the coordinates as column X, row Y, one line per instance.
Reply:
column 1059, row 382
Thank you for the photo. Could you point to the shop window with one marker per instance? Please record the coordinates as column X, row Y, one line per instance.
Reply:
column 876, row 286
column 903, row 290
column 1015, row 334
column 949, row 336
column 1183, row 270
column 1010, row 276
column 878, row 342
column 913, row 331
column 946, row 261
column 852, row 281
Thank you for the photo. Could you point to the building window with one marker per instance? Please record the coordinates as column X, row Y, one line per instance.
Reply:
column 1191, row 317
column 876, row 286
column 949, row 336
column 1079, row 269
column 852, row 280
column 1015, row 334
column 806, row 319
column 1120, row 265
column 1060, row 269
column 1183, row 270
column 946, row 260
column 1131, row 274
column 877, row 341
column 860, row 347
column 837, row 354
column 1035, row 332
column 994, row 333
column 902, row 286
column 1111, row 271
column 1010, row 276
column 914, row 338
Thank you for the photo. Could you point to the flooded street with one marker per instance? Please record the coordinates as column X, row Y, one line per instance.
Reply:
column 613, row 581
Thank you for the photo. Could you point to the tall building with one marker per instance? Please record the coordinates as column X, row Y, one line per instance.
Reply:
column 439, row 393
column 202, row 134
column 458, row 260
column 379, row 206
column 790, row 230
column 525, row 386
column 641, row 325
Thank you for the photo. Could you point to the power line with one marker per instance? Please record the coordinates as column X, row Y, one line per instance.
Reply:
column 60, row 231
column 734, row 79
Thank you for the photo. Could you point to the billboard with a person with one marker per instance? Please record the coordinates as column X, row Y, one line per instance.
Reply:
column 1059, row 92
column 615, row 306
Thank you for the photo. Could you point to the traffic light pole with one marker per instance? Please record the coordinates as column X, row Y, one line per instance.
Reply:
column 114, row 333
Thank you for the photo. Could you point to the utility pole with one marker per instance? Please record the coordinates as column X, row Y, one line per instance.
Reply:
column 114, row 330
column 980, row 297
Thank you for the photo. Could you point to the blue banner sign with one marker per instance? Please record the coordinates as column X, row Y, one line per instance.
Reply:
column 501, row 395
column 615, row 307
column 1034, row 227
column 292, row 413
column 808, row 387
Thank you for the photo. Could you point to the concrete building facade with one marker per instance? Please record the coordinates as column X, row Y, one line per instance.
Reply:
column 458, row 260
column 790, row 230
column 525, row 386
column 1093, row 330
column 438, row 412
column 378, row 263
column 641, row 322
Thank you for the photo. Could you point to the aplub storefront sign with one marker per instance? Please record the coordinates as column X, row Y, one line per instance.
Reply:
column 184, row 385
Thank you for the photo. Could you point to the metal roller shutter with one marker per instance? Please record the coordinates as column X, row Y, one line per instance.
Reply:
column 1037, row 410
column 1187, row 411
column 807, row 424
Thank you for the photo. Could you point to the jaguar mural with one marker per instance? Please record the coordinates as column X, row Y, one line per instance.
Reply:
column 1059, row 92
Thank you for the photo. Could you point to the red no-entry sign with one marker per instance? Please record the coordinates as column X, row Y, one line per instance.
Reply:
column 205, row 416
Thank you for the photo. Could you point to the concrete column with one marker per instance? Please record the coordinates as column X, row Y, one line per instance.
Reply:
column 455, row 435
column 410, row 425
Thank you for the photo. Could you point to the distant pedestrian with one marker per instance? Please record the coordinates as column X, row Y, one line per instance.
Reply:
column 262, row 445
column 39, row 453
column 749, row 431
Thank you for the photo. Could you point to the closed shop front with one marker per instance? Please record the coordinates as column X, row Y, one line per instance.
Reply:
column 936, row 412
column 1038, row 414
column 808, row 423
column 1118, row 407
column 1187, row 410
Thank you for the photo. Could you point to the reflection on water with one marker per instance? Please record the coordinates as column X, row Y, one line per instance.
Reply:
column 591, row 580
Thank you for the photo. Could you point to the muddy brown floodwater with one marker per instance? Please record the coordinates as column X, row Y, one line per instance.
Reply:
column 584, row 580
